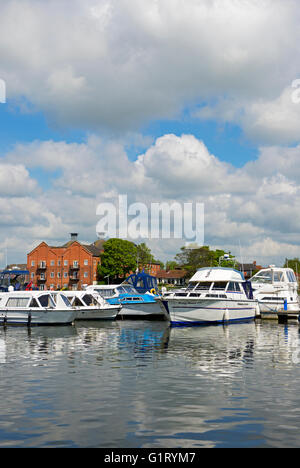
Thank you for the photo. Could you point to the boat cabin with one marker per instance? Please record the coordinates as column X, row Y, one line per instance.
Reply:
column 273, row 275
column 216, row 282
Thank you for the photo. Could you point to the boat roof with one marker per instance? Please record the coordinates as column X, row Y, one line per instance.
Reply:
column 14, row 272
column 218, row 274
column 273, row 267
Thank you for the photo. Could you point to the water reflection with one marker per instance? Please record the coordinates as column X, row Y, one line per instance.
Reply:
column 143, row 384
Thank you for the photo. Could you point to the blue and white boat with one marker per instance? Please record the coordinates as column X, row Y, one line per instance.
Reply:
column 134, row 304
column 214, row 295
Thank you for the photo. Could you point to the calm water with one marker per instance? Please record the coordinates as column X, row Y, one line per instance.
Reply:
column 140, row 384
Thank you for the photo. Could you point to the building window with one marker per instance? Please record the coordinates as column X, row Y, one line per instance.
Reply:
column 58, row 262
column 65, row 262
column 86, row 262
column 65, row 274
column 52, row 263
column 86, row 274
column 32, row 275
column 32, row 263
column 58, row 274
column 52, row 274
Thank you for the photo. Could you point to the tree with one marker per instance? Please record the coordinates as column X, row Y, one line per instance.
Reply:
column 192, row 259
column 118, row 259
column 293, row 263
column 171, row 265
column 144, row 255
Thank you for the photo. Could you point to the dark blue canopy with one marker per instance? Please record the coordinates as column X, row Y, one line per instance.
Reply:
column 143, row 282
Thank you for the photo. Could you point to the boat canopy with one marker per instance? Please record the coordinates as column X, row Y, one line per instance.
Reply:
column 274, row 275
column 142, row 282
column 14, row 277
column 217, row 274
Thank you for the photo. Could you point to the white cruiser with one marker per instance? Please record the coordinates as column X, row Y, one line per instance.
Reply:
column 91, row 306
column 214, row 295
column 276, row 289
column 35, row 308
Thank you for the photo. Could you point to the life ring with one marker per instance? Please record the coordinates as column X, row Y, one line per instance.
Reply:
column 152, row 291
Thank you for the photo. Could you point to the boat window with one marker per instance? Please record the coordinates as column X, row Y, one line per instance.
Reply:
column 192, row 284
column 278, row 276
column 105, row 292
column 263, row 277
column 89, row 300
column 46, row 301
column 272, row 298
column 217, row 295
column 77, row 302
column 233, row 287
column 33, row 303
column 66, row 300
column 194, row 295
column 126, row 290
column 291, row 276
column 204, row 285
column 219, row 285
column 17, row 302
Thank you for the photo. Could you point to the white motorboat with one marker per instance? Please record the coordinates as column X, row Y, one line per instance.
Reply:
column 35, row 308
column 91, row 306
column 134, row 304
column 276, row 290
column 214, row 295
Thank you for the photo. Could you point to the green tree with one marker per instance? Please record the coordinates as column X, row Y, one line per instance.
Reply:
column 293, row 263
column 192, row 259
column 118, row 259
column 144, row 255
column 171, row 265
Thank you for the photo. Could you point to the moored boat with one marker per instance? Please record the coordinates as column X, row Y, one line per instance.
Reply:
column 91, row 306
column 134, row 304
column 35, row 308
column 214, row 295
column 276, row 290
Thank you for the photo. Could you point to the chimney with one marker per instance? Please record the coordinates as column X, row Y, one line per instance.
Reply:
column 74, row 236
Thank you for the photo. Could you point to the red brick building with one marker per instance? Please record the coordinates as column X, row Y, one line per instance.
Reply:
column 70, row 266
column 174, row 277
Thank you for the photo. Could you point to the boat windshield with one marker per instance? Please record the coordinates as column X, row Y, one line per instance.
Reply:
column 124, row 289
column 263, row 277
column 46, row 300
column 89, row 300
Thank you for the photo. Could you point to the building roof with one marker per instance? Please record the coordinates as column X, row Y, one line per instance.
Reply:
column 96, row 248
column 174, row 274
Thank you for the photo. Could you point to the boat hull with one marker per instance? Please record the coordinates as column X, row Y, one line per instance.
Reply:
column 94, row 313
column 36, row 317
column 271, row 309
column 145, row 310
column 209, row 312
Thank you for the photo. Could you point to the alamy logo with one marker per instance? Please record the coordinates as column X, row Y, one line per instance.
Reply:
column 296, row 93
column 2, row 92
column 159, row 221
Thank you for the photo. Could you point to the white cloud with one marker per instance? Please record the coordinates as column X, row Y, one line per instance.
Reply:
column 121, row 63
column 248, row 205
column 16, row 181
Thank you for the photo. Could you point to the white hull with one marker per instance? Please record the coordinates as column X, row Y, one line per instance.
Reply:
column 143, row 310
column 94, row 313
column 209, row 311
column 36, row 317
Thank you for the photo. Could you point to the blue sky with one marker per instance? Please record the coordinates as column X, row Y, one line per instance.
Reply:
column 162, row 100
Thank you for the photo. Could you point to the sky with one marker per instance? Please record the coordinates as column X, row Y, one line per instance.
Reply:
column 164, row 101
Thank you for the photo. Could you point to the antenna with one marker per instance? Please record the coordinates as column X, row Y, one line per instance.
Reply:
column 241, row 257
